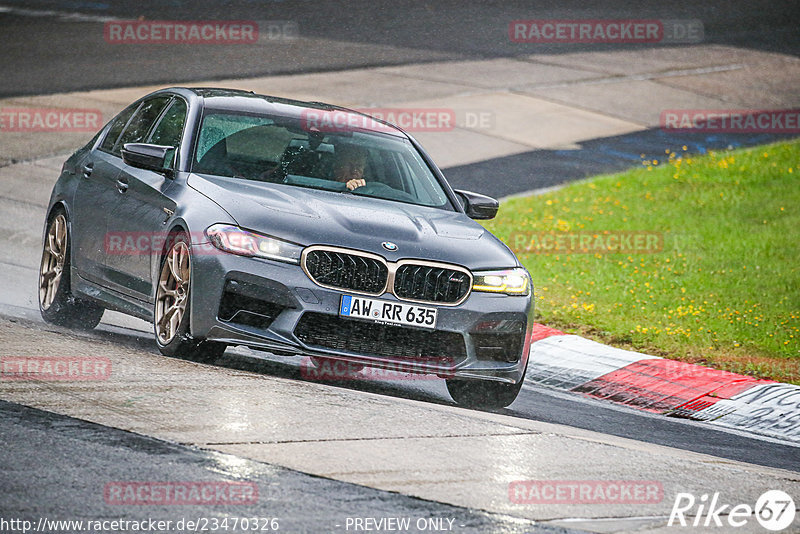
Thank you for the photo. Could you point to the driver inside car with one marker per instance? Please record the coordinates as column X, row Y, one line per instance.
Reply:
column 349, row 166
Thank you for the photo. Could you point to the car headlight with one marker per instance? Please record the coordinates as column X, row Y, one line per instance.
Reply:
column 508, row 281
column 245, row 243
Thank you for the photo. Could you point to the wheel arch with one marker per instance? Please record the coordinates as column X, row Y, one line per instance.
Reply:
column 60, row 206
column 178, row 226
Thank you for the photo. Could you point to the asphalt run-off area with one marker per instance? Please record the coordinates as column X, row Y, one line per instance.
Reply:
column 105, row 434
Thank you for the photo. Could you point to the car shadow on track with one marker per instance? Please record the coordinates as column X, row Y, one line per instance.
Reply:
column 424, row 388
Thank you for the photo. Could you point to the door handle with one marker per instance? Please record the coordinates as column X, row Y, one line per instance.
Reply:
column 87, row 169
column 122, row 185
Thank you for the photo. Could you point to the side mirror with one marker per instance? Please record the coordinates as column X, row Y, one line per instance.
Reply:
column 477, row 206
column 156, row 158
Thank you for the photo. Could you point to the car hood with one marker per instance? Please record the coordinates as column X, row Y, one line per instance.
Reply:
column 314, row 217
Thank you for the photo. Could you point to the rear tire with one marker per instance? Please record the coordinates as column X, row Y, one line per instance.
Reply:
column 483, row 394
column 57, row 304
column 172, row 307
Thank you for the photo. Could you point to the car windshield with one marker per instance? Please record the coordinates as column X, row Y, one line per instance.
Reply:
column 289, row 151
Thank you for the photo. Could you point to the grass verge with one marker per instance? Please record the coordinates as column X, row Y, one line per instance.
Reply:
column 695, row 258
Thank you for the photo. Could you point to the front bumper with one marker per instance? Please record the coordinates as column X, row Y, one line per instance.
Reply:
column 276, row 307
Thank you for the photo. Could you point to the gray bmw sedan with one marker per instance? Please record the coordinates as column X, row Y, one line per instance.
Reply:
column 299, row 228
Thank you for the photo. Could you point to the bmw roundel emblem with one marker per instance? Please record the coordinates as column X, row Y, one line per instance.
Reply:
column 388, row 245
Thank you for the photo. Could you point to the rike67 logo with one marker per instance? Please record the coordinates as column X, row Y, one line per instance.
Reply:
column 774, row 510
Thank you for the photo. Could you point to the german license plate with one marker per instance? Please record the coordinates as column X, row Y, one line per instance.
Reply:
column 387, row 312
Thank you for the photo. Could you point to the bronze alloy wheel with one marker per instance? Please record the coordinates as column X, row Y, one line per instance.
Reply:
column 173, row 292
column 54, row 257
column 57, row 304
column 173, row 309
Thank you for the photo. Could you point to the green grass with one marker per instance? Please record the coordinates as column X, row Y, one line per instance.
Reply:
column 722, row 286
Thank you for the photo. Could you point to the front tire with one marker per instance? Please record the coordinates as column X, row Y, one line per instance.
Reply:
column 483, row 394
column 172, row 307
column 57, row 304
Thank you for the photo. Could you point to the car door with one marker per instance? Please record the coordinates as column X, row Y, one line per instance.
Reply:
column 94, row 197
column 143, row 206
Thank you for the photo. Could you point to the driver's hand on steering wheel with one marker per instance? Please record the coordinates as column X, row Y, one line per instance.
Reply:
column 355, row 183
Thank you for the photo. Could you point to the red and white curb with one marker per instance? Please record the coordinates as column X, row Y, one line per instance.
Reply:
column 668, row 387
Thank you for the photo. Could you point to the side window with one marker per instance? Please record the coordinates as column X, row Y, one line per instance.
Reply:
column 141, row 122
column 117, row 126
column 169, row 130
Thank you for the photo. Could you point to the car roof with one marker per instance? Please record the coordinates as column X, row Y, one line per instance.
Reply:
column 251, row 102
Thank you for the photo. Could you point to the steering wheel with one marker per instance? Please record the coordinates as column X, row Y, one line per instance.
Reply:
column 381, row 190
column 371, row 188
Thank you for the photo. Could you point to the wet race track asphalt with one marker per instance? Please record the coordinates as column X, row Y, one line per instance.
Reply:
column 72, row 458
